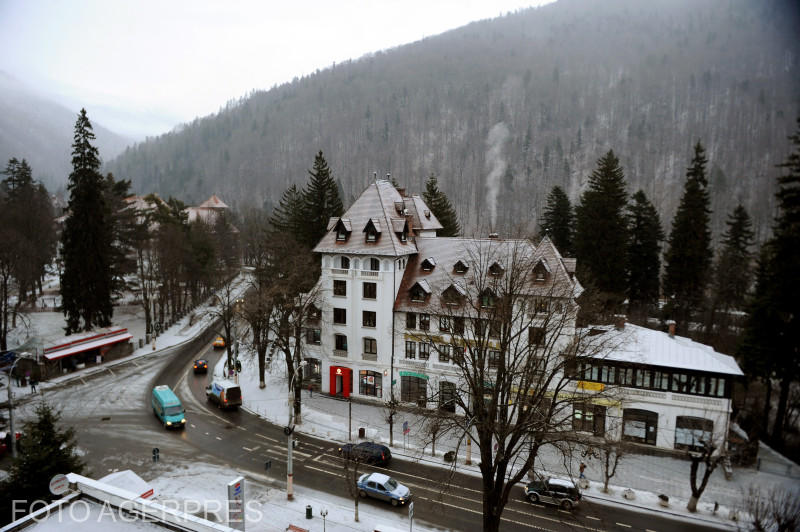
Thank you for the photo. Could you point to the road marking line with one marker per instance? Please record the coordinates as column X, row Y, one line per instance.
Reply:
column 248, row 449
column 220, row 439
column 257, row 447
column 648, row 530
column 267, row 438
column 109, row 370
column 192, row 425
column 623, row 524
column 592, row 517
column 83, row 381
column 241, row 428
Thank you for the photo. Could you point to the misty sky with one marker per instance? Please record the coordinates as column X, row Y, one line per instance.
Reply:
column 143, row 66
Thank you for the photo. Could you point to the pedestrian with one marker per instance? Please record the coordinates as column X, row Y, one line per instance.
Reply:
column 310, row 389
column 582, row 468
column 33, row 386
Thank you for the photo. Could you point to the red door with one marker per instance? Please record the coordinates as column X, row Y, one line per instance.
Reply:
column 341, row 380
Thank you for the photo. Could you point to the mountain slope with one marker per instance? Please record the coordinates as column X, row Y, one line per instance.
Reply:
column 504, row 109
column 36, row 129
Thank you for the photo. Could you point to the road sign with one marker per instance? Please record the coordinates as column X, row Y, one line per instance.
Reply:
column 406, row 430
column 411, row 510
column 59, row 484
column 236, row 503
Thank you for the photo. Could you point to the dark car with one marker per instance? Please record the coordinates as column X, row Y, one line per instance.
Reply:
column 201, row 366
column 562, row 493
column 367, row 453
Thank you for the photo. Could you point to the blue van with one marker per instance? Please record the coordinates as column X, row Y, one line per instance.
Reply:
column 168, row 408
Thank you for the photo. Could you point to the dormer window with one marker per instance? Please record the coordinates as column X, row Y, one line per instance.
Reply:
column 541, row 272
column 400, row 228
column 460, row 267
column 428, row 264
column 343, row 229
column 420, row 291
column 372, row 230
column 453, row 295
column 495, row 270
column 403, row 236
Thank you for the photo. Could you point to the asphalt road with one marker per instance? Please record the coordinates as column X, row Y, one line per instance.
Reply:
column 115, row 425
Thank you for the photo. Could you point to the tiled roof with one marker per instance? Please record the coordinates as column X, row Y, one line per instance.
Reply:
column 423, row 218
column 213, row 203
column 479, row 254
column 377, row 203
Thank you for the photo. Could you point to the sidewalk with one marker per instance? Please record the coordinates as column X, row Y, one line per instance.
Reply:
column 648, row 476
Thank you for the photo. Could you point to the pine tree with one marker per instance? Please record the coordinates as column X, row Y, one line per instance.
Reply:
column 772, row 334
column 321, row 201
column 644, row 256
column 439, row 204
column 287, row 217
column 19, row 177
column 688, row 257
column 558, row 221
column 44, row 451
column 601, row 232
column 86, row 281
column 733, row 271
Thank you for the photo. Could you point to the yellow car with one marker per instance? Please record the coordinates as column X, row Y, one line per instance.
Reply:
column 219, row 342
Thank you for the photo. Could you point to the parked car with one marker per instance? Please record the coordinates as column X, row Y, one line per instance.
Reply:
column 555, row 491
column 219, row 342
column 201, row 366
column 224, row 393
column 383, row 487
column 367, row 453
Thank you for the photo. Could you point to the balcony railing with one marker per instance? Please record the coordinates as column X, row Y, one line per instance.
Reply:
column 370, row 274
column 369, row 356
column 340, row 272
column 339, row 353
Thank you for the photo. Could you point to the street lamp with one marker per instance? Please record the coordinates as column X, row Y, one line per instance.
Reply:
column 289, row 430
column 11, row 405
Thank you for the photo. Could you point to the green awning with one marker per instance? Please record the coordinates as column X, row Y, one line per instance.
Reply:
column 413, row 374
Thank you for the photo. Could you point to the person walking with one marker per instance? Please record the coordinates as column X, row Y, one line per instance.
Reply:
column 582, row 468
column 33, row 385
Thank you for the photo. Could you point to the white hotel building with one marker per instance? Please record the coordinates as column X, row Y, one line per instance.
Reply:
column 384, row 276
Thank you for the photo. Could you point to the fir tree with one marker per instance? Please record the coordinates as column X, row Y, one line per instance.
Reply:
column 287, row 217
column 86, row 281
column 558, row 221
column 19, row 177
column 644, row 256
column 601, row 232
column 733, row 271
column 321, row 202
column 772, row 334
column 688, row 257
column 439, row 204
column 44, row 451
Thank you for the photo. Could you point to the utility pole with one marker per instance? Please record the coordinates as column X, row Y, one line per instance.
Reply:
column 289, row 431
column 349, row 420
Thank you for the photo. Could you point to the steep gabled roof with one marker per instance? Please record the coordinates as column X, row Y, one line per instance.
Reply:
column 376, row 202
column 213, row 203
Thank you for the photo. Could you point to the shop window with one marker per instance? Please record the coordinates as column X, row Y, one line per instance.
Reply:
column 339, row 287
column 447, row 396
column 639, row 426
column 369, row 383
column 370, row 290
column 413, row 390
column 692, row 432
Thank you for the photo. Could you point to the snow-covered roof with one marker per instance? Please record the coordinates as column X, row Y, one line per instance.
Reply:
column 641, row 345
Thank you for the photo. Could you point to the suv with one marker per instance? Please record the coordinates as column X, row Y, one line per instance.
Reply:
column 367, row 453
column 562, row 493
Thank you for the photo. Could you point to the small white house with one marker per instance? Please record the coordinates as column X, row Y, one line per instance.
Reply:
column 668, row 391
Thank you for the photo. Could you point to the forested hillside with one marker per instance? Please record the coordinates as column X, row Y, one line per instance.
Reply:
column 502, row 110
column 40, row 131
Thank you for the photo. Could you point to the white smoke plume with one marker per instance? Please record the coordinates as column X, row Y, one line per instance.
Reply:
column 496, row 164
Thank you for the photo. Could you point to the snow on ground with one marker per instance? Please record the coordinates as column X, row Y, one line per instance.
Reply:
column 200, row 489
column 648, row 476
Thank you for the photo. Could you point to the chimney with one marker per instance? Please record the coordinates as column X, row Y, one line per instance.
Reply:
column 671, row 325
column 619, row 321
column 427, row 214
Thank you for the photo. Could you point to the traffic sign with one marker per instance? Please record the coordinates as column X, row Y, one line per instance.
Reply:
column 411, row 510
